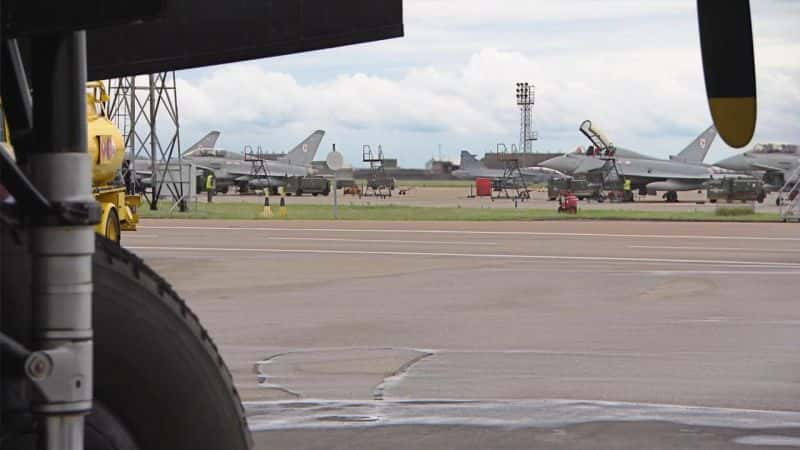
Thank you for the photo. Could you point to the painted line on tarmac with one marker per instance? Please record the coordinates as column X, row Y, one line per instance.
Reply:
column 628, row 273
column 706, row 272
column 477, row 256
column 724, row 249
column 332, row 414
column 478, row 232
column 377, row 241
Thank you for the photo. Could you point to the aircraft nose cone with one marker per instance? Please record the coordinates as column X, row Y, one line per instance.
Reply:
column 736, row 162
column 562, row 164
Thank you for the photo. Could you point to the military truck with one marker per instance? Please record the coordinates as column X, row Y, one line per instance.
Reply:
column 308, row 185
column 732, row 189
column 581, row 186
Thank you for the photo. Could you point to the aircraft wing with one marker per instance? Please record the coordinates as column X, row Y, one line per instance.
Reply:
column 238, row 173
column 662, row 175
column 768, row 168
column 245, row 29
column 247, row 173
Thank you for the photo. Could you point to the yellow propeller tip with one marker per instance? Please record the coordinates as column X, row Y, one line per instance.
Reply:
column 735, row 118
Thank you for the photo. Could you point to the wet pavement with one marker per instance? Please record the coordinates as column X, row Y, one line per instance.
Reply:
column 500, row 318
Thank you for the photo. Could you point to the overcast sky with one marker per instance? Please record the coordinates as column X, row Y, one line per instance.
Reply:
column 631, row 66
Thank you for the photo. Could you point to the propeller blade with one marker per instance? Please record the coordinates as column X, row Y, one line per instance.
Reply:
column 726, row 39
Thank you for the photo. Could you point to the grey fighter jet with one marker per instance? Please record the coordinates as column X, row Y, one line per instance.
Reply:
column 251, row 171
column 471, row 168
column 682, row 172
column 774, row 162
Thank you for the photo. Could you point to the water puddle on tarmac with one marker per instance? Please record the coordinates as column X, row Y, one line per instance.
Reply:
column 769, row 440
column 264, row 416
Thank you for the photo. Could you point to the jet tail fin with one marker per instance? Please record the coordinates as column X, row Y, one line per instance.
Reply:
column 304, row 152
column 208, row 141
column 469, row 161
column 696, row 151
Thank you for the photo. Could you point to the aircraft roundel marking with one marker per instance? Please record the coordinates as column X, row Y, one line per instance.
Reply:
column 305, row 148
column 702, row 142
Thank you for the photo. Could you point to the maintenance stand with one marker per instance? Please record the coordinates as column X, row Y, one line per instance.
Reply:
column 378, row 183
column 789, row 198
column 258, row 170
column 512, row 185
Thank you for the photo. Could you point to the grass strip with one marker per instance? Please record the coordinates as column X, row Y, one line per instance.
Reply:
column 419, row 213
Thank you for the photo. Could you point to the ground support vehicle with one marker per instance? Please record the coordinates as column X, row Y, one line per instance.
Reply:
column 744, row 189
column 568, row 203
column 107, row 154
column 581, row 186
column 308, row 185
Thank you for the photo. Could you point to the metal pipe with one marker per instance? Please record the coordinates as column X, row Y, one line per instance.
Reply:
column 155, row 186
column 62, row 253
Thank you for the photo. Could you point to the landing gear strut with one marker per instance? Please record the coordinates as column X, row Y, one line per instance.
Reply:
column 671, row 197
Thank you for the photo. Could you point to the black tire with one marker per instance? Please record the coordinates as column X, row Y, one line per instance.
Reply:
column 315, row 194
column 157, row 372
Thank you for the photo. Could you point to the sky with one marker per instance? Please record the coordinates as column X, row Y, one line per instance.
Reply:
column 633, row 67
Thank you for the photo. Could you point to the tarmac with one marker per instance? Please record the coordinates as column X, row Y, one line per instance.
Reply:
column 461, row 197
column 498, row 335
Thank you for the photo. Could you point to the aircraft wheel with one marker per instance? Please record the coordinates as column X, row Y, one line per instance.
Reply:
column 159, row 379
column 671, row 197
column 113, row 227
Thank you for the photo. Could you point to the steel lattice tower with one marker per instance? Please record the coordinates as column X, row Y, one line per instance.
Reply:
column 526, row 94
column 142, row 107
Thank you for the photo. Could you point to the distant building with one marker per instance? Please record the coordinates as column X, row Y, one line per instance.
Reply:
column 437, row 167
column 390, row 163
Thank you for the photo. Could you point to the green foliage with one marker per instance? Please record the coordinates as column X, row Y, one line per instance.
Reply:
column 734, row 211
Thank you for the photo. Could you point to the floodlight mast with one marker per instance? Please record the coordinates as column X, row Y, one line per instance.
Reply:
column 526, row 94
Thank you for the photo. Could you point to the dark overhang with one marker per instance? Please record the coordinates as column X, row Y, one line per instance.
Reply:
column 194, row 33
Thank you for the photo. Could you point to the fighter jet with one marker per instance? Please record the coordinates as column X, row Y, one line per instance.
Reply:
column 253, row 171
column 774, row 162
column 682, row 172
column 471, row 168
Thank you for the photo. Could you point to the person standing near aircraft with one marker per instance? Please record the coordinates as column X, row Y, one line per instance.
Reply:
column 211, row 186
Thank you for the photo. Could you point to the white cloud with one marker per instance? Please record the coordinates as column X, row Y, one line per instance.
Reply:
column 642, row 83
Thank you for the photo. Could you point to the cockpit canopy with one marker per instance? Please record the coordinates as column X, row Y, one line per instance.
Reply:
column 783, row 149
column 213, row 153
